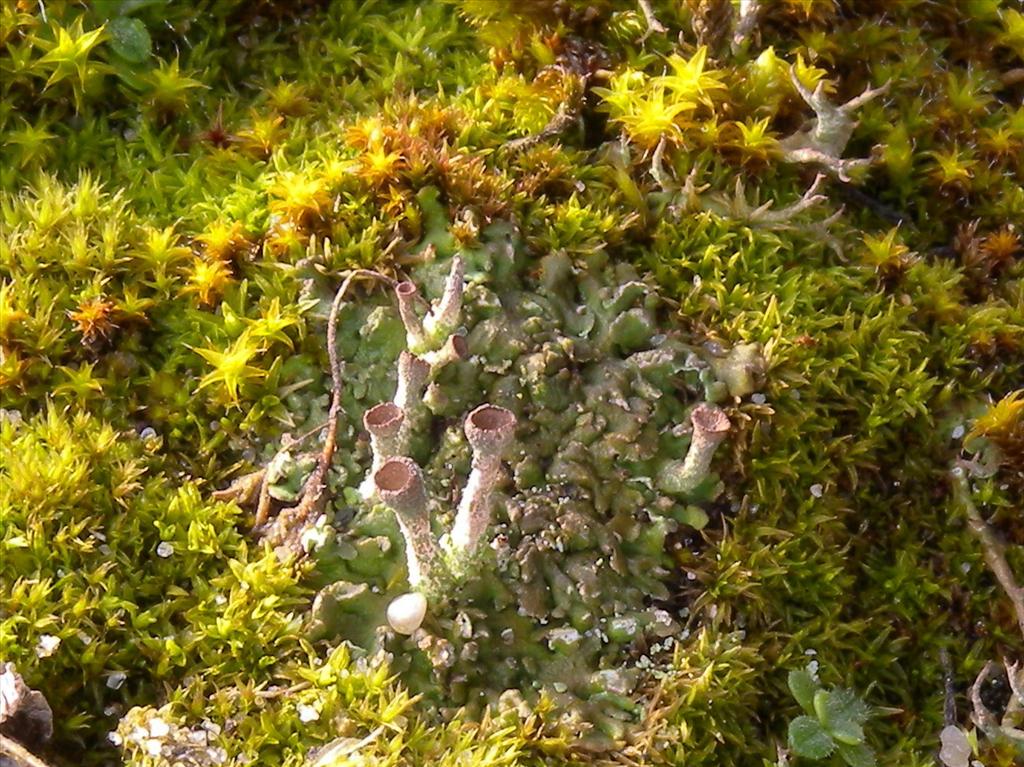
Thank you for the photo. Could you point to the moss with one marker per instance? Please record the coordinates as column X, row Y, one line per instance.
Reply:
column 181, row 184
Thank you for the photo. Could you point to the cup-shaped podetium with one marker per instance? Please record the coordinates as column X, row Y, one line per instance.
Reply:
column 454, row 348
column 408, row 296
column 385, row 424
column 489, row 430
column 399, row 485
column 710, row 426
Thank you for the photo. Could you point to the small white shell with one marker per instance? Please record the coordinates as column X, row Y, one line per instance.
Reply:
column 405, row 613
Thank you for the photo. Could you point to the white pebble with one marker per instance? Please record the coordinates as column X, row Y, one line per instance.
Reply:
column 211, row 726
column 817, row 490
column 959, row 431
column 406, row 613
column 47, row 645
column 307, row 713
column 165, row 549
column 956, row 749
column 158, row 728
column 115, row 680
column 758, row 398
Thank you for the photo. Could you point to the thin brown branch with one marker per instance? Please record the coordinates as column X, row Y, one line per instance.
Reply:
column 653, row 25
column 290, row 523
column 568, row 113
column 984, row 718
column 948, row 689
column 995, row 553
column 1013, row 77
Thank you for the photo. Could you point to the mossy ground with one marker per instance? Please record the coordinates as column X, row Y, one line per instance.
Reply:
column 157, row 202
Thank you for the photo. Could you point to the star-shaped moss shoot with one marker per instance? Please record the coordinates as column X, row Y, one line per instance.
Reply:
column 67, row 58
column 231, row 368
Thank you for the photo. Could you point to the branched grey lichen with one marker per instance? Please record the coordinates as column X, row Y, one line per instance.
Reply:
column 430, row 333
column 737, row 207
column 824, row 140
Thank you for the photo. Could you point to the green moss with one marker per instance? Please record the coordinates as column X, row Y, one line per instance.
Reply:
column 174, row 218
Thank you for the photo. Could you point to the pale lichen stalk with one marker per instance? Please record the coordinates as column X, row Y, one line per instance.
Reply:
column 710, row 425
column 489, row 430
column 443, row 318
column 745, row 24
column 454, row 349
column 413, row 374
column 399, row 484
column 408, row 297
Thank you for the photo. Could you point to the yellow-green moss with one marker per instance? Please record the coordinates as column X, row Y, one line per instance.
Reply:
column 164, row 207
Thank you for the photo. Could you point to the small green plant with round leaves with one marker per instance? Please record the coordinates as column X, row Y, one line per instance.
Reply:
column 833, row 723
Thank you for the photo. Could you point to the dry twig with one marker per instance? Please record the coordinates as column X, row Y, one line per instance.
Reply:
column 290, row 523
column 653, row 25
column 995, row 553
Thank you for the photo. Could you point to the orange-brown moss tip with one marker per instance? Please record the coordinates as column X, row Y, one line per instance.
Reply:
column 94, row 319
column 1002, row 425
column 208, row 280
column 223, row 241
